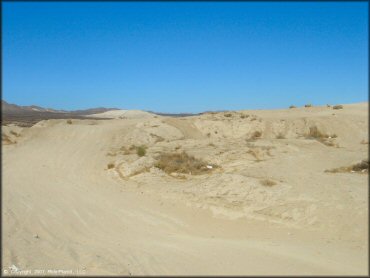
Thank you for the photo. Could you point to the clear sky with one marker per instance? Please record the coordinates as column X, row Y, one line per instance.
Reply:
column 184, row 56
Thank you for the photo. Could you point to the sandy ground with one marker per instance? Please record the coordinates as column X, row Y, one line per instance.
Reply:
column 63, row 209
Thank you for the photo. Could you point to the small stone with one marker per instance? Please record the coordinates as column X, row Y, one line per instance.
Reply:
column 36, row 236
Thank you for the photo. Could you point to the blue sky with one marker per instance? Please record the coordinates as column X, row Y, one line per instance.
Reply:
column 184, row 56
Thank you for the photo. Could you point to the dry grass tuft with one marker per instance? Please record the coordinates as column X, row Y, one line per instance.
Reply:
column 323, row 138
column 267, row 182
column 280, row 136
column 182, row 163
column 228, row 115
column 308, row 105
column 244, row 116
column 315, row 133
column 361, row 167
column 110, row 165
column 69, row 121
column 292, row 106
column 336, row 107
column 255, row 135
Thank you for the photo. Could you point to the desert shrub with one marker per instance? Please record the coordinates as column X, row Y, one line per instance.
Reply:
column 292, row 106
column 182, row 163
column 328, row 105
column 69, row 121
column 315, row 133
column 256, row 135
column 228, row 115
column 323, row 138
column 141, row 150
column 308, row 105
column 267, row 182
column 243, row 116
column 280, row 136
column 362, row 167
column 110, row 165
column 336, row 107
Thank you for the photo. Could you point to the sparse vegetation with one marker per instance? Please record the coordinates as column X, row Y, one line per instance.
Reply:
column 336, row 107
column 228, row 115
column 183, row 163
column 323, row 138
column 280, row 136
column 361, row 167
column 308, row 105
column 292, row 106
column 255, row 135
column 267, row 182
column 14, row 133
column 141, row 150
column 69, row 121
column 328, row 105
column 315, row 133
column 244, row 116
column 110, row 165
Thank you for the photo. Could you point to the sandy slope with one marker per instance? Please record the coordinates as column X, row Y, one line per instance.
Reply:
column 63, row 209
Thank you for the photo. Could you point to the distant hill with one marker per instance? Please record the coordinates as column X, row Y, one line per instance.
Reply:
column 174, row 114
column 13, row 108
column 29, row 115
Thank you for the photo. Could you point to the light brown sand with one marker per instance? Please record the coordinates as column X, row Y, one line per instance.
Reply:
column 64, row 210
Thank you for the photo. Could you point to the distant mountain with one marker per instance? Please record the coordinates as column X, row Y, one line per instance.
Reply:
column 174, row 114
column 15, row 109
column 29, row 115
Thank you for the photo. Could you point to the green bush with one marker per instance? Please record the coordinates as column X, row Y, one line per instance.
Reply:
column 141, row 150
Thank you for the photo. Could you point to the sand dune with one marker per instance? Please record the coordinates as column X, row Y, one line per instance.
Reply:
column 123, row 114
column 65, row 209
